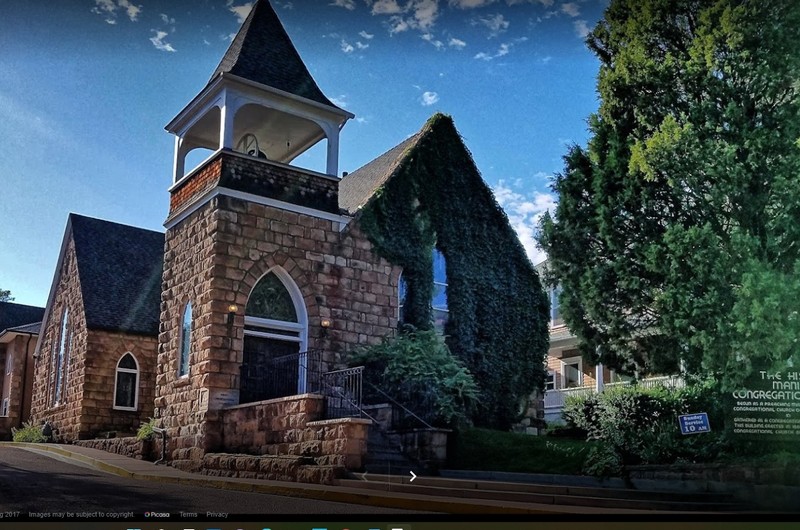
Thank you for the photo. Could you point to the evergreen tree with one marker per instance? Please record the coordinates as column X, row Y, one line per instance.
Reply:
column 677, row 234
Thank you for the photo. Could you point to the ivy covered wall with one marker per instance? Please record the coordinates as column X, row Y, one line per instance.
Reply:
column 498, row 311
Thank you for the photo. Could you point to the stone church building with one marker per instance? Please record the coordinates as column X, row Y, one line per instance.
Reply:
column 229, row 327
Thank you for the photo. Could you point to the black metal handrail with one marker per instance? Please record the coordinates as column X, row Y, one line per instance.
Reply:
column 287, row 375
column 401, row 406
column 343, row 392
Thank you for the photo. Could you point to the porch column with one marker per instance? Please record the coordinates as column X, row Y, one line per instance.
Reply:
column 598, row 378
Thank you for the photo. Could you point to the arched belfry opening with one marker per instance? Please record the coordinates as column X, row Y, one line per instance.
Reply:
column 261, row 93
column 275, row 360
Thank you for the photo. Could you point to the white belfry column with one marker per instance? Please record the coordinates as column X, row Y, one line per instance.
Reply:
column 332, row 167
column 227, row 111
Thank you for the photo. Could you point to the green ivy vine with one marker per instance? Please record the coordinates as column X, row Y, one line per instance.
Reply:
column 498, row 311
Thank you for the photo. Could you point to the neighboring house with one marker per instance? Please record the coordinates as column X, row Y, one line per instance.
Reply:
column 95, row 365
column 269, row 277
column 568, row 373
column 19, row 330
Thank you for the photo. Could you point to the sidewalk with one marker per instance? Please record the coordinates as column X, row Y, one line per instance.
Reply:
column 142, row 470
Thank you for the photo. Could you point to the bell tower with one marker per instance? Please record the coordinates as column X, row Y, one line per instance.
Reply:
column 242, row 215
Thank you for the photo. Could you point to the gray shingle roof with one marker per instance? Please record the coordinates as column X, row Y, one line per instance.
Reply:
column 120, row 270
column 262, row 52
column 27, row 328
column 13, row 315
column 358, row 187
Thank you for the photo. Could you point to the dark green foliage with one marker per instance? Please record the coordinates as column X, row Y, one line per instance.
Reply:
column 676, row 236
column 484, row 449
column 417, row 369
column 636, row 425
column 5, row 296
column 498, row 312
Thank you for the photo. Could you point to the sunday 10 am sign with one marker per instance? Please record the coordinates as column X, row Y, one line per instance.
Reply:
column 694, row 423
column 768, row 406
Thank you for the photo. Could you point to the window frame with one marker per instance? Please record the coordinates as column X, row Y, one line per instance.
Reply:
column 5, row 408
column 570, row 361
column 58, row 361
column 185, row 342
column 136, row 373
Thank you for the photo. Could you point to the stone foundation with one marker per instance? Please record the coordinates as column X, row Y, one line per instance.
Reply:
column 128, row 446
column 284, row 468
column 426, row 446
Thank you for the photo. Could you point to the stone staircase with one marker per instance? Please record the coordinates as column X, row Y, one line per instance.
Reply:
column 557, row 496
column 385, row 455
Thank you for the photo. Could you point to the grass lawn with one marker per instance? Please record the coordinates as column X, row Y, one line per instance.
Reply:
column 487, row 450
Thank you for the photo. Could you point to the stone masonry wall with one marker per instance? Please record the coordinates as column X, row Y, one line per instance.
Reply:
column 128, row 446
column 104, row 350
column 87, row 396
column 65, row 415
column 214, row 258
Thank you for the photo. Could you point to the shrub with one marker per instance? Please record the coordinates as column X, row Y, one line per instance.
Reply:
column 28, row 433
column 146, row 431
column 417, row 369
column 636, row 425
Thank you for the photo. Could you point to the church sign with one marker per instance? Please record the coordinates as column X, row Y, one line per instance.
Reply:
column 768, row 406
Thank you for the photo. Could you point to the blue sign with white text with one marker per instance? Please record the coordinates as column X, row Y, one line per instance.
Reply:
column 694, row 423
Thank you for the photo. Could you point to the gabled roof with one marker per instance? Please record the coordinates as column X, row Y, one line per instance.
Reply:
column 13, row 315
column 262, row 52
column 120, row 269
column 32, row 329
column 356, row 188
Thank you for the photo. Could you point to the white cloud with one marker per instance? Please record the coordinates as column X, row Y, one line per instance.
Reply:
column 524, row 212
column 167, row 19
column 496, row 24
column 340, row 101
column 364, row 35
column 361, row 46
column 109, row 8
column 159, row 43
column 571, row 9
column 456, row 43
column 241, row 11
column 547, row 59
column 504, row 49
column 347, row 4
column 386, row 7
column 347, row 47
column 546, row 3
column 397, row 24
column 130, row 9
column 430, row 38
column 429, row 98
column 581, row 28
column 469, row 4
column 425, row 13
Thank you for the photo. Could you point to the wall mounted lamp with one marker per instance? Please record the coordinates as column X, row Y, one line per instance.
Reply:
column 232, row 309
column 325, row 323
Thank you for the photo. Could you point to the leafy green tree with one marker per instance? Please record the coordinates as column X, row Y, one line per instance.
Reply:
column 676, row 237
column 5, row 296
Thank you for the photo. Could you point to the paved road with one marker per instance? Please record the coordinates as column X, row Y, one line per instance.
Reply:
column 31, row 482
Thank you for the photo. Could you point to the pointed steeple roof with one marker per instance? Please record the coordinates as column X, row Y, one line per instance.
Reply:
column 262, row 52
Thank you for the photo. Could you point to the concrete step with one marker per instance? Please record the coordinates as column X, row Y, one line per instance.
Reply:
column 545, row 494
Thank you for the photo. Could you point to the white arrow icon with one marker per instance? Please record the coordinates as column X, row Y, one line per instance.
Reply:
column 413, row 476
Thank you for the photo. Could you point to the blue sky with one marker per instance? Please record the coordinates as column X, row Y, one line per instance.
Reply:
column 86, row 88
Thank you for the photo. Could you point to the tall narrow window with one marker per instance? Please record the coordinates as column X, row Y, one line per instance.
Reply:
column 126, row 387
column 4, row 409
column 439, row 301
column 186, row 338
column 59, row 363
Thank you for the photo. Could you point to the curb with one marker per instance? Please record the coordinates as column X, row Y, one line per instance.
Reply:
column 397, row 501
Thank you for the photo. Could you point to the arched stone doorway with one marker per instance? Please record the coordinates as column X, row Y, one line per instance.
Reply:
column 274, row 361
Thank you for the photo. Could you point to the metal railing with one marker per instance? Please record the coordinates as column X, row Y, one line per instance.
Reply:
column 343, row 391
column 554, row 399
column 287, row 375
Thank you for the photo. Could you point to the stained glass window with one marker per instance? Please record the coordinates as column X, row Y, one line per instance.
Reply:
column 186, row 337
column 270, row 299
